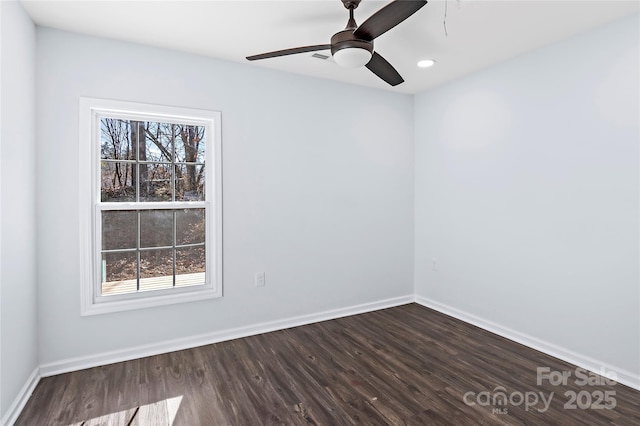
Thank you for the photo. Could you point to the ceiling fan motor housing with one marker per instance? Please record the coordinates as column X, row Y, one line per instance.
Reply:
column 346, row 40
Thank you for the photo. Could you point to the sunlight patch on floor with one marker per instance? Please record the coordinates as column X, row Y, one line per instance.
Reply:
column 161, row 413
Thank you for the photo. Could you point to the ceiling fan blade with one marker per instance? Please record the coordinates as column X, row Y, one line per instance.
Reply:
column 387, row 18
column 383, row 69
column 289, row 51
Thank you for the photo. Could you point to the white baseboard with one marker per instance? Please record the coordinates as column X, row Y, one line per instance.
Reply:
column 15, row 409
column 624, row 377
column 105, row 358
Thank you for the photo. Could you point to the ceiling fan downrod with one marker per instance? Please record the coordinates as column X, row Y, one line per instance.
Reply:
column 351, row 5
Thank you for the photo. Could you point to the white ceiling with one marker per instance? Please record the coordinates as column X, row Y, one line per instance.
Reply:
column 480, row 32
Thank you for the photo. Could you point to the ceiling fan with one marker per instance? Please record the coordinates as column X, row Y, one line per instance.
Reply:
column 353, row 46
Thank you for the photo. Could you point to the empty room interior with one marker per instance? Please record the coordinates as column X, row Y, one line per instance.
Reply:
column 208, row 218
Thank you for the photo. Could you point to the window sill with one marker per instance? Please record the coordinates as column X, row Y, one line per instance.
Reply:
column 106, row 307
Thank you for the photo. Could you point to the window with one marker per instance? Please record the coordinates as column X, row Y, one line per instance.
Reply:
column 150, row 205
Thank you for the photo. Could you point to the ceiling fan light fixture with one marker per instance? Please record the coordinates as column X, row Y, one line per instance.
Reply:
column 349, row 51
column 352, row 57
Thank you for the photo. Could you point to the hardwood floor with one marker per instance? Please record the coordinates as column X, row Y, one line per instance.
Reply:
column 404, row 365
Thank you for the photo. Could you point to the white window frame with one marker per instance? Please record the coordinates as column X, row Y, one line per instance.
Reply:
column 91, row 110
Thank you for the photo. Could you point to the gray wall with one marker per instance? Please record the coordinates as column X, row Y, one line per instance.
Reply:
column 318, row 190
column 527, row 195
column 18, row 311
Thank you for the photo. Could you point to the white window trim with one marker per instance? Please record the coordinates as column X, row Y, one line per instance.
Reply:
column 91, row 303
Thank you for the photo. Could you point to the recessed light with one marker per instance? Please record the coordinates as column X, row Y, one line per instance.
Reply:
column 426, row 63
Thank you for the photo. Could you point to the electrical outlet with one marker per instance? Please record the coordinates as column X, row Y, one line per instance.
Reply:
column 259, row 279
column 434, row 264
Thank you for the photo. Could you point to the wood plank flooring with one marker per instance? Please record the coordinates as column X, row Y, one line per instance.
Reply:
column 406, row 365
